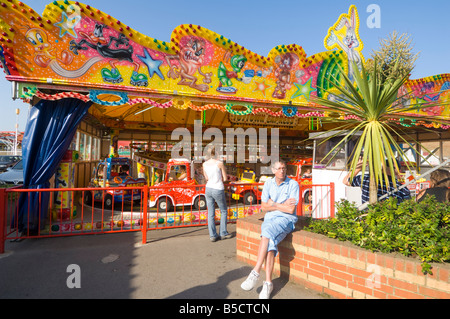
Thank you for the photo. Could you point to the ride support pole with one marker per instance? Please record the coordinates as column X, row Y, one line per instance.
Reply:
column 144, row 217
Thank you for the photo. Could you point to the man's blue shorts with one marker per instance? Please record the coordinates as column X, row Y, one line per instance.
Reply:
column 276, row 226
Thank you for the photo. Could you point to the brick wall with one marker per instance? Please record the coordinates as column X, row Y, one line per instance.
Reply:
column 341, row 269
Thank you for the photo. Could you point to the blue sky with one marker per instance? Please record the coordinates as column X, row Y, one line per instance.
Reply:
column 262, row 25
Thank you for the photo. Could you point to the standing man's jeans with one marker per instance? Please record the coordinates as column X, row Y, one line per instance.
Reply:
column 216, row 196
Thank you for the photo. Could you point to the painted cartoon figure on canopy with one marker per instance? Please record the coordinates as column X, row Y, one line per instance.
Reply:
column 43, row 55
column 96, row 40
column 286, row 63
column 349, row 43
column 190, row 60
column 237, row 62
column 442, row 94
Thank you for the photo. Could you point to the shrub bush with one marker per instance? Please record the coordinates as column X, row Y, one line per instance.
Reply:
column 413, row 229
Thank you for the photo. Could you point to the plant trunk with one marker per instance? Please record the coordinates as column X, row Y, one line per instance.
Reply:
column 373, row 191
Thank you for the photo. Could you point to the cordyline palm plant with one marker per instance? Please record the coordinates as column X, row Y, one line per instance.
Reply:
column 373, row 106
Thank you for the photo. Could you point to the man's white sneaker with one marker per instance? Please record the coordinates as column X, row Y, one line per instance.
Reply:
column 266, row 290
column 251, row 281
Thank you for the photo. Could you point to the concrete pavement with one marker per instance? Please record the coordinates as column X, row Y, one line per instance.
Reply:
column 175, row 263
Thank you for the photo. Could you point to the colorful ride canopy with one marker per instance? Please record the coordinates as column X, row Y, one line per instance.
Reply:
column 76, row 45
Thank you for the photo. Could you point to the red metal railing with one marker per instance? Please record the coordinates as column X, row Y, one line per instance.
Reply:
column 80, row 216
column 84, row 211
column 178, row 213
column 317, row 201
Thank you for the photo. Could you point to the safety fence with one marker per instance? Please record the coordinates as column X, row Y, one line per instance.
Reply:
column 317, row 201
column 57, row 212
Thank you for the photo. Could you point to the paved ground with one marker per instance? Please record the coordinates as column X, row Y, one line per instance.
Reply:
column 175, row 264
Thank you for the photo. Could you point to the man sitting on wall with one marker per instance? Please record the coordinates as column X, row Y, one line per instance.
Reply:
column 279, row 200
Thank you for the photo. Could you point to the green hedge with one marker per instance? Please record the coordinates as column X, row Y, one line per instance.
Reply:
column 413, row 229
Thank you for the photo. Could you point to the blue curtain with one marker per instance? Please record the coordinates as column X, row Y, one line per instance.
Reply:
column 50, row 129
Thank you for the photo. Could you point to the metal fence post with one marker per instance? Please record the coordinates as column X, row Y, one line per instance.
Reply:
column 144, row 217
column 300, row 202
column 332, row 199
column 3, row 195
